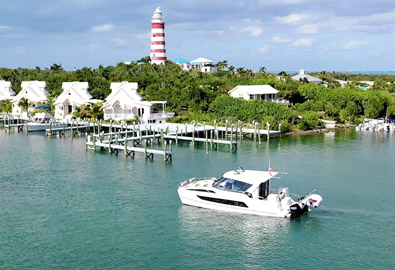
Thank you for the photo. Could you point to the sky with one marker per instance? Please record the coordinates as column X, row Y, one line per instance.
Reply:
column 315, row 35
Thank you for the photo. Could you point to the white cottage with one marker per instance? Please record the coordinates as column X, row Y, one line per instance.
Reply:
column 75, row 94
column 125, row 103
column 5, row 90
column 253, row 92
column 203, row 65
column 34, row 91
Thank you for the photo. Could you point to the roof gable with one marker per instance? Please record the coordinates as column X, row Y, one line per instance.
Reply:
column 75, row 91
column 32, row 90
column 202, row 60
column 124, row 92
column 5, row 90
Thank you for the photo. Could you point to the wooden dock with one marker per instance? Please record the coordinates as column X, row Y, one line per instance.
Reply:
column 213, row 142
column 129, row 151
column 62, row 130
column 20, row 127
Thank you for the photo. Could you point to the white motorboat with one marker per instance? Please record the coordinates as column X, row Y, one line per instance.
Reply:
column 247, row 192
column 42, row 121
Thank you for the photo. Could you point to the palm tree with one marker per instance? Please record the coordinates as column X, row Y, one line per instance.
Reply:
column 222, row 65
column 78, row 112
column 262, row 70
column 232, row 69
column 95, row 111
column 24, row 104
column 51, row 102
column 241, row 71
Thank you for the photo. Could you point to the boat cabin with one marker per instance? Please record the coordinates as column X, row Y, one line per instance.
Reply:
column 42, row 118
column 256, row 184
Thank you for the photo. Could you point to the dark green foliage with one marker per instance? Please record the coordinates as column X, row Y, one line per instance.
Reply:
column 226, row 107
column 203, row 97
column 309, row 121
column 6, row 106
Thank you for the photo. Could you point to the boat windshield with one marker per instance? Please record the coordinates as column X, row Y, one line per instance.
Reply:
column 231, row 185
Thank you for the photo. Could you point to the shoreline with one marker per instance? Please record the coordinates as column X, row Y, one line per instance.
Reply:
column 317, row 131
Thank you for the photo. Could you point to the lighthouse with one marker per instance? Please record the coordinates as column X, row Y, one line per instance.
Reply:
column 158, row 50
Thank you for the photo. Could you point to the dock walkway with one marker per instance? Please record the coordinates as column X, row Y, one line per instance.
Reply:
column 130, row 151
column 61, row 130
column 213, row 142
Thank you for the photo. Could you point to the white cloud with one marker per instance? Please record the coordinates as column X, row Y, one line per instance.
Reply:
column 253, row 31
column 119, row 42
column 280, row 2
column 303, row 42
column 93, row 46
column 279, row 40
column 307, row 29
column 292, row 18
column 264, row 49
column 5, row 27
column 355, row 44
column 380, row 18
column 103, row 28
column 146, row 35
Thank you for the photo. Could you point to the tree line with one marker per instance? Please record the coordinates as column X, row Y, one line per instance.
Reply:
column 194, row 95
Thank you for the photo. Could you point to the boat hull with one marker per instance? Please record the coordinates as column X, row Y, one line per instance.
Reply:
column 36, row 127
column 246, row 192
column 238, row 204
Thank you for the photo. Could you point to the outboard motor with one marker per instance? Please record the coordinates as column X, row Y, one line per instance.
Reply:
column 315, row 200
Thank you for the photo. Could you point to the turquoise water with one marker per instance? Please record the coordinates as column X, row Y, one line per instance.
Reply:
column 62, row 207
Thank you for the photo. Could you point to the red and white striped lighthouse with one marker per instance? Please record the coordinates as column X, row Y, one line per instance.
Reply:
column 158, row 50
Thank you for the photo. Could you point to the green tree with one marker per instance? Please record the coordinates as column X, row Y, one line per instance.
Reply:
column 222, row 65
column 24, row 103
column 6, row 106
column 262, row 70
column 57, row 67
column 95, row 111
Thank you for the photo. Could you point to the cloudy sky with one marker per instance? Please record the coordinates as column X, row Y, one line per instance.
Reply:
column 341, row 35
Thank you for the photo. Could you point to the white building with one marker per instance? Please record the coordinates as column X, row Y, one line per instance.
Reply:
column 254, row 92
column 183, row 63
column 5, row 90
column 34, row 91
column 308, row 77
column 203, row 65
column 125, row 103
column 75, row 94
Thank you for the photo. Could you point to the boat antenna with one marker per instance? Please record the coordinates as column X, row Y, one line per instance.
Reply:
column 242, row 169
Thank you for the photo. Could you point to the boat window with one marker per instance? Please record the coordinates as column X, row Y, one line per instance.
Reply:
column 264, row 190
column 231, row 184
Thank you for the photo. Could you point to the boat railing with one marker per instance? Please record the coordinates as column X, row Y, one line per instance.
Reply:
column 205, row 178
column 196, row 179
